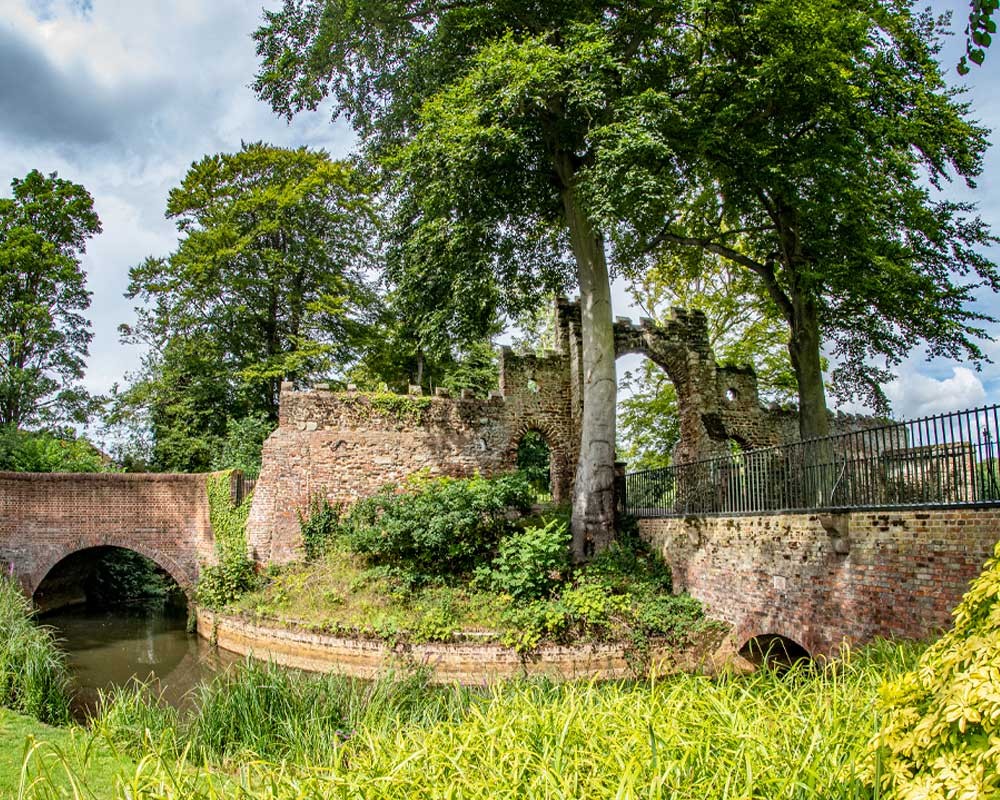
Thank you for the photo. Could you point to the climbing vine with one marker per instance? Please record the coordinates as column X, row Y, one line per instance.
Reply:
column 401, row 407
column 234, row 574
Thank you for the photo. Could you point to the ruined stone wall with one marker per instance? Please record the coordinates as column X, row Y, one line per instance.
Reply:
column 864, row 574
column 347, row 445
column 46, row 517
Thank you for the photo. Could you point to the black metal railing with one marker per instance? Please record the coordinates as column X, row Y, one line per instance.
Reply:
column 240, row 487
column 941, row 460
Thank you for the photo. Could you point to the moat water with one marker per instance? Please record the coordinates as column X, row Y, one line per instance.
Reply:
column 146, row 642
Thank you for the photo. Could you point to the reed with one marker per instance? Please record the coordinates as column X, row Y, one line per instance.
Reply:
column 33, row 676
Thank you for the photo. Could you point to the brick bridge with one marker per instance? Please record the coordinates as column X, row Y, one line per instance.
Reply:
column 47, row 518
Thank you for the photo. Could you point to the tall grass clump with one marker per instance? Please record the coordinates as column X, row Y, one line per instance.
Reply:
column 258, row 711
column 33, row 676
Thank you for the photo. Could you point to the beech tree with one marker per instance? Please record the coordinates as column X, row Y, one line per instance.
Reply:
column 481, row 115
column 44, row 335
column 816, row 169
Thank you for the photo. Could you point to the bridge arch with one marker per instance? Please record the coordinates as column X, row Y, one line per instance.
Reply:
column 180, row 574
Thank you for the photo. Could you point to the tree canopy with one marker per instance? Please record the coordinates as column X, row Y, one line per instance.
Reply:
column 817, row 170
column 267, row 284
column 44, row 335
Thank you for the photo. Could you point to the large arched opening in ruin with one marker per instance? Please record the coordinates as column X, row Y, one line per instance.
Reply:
column 647, row 414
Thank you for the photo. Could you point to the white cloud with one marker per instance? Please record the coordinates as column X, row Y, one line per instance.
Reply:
column 917, row 395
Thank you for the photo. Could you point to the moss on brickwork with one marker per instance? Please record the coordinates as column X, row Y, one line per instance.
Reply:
column 941, row 735
column 400, row 407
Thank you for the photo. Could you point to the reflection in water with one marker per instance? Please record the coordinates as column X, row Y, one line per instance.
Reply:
column 109, row 647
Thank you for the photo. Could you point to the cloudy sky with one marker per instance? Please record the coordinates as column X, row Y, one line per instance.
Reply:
column 123, row 95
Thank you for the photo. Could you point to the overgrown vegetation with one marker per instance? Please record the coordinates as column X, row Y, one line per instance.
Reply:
column 941, row 737
column 46, row 451
column 234, row 573
column 123, row 576
column 435, row 526
column 436, row 559
column 33, row 677
column 258, row 732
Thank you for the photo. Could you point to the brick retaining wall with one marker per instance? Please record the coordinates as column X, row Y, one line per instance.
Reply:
column 470, row 663
column 883, row 573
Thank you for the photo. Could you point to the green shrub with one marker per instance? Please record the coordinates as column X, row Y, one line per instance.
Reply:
column 319, row 526
column 435, row 527
column 33, row 676
column 45, row 451
column 941, row 732
column 530, row 563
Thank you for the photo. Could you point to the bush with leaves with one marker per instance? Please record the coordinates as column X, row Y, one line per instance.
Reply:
column 244, row 442
column 45, row 451
column 530, row 563
column 941, row 734
column 436, row 527
column 319, row 526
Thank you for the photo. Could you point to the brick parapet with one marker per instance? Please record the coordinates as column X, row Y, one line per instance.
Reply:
column 888, row 574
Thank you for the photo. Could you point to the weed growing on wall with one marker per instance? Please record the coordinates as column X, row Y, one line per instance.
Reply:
column 941, row 736
column 234, row 574
column 319, row 525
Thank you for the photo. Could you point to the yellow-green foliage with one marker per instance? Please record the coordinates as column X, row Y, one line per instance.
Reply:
column 234, row 574
column 941, row 734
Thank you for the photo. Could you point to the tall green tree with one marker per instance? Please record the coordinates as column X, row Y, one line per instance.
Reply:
column 979, row 33
column 267, row 284
column 482, row 116
column 44, row 335
column 816, row 168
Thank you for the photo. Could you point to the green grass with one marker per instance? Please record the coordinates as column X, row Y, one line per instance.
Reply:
column 339, row 593
column 33, row 677
column 55, row 761
column 804, row 734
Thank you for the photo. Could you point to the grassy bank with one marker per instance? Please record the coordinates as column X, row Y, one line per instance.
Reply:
column 37, row 760
column 265, row 734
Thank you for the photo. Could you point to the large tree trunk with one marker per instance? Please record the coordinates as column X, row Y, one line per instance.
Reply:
column 593, row 492
column 804, row 349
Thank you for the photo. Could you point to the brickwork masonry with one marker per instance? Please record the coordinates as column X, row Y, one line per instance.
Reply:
column 820, row 580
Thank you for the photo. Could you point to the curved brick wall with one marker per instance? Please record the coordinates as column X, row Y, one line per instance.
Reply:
column 875, row 573
column 462, row 662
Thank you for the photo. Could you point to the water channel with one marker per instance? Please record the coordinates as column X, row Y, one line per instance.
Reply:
column 148, row 641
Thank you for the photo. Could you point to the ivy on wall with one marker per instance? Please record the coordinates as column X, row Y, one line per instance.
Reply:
column 234, row 573
column 401, row 407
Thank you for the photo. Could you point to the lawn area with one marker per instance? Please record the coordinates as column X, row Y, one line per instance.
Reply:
column 55, row 754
